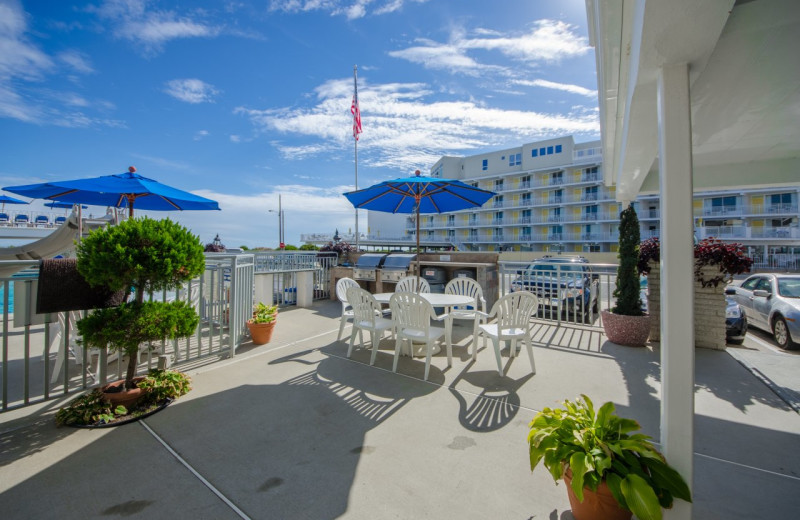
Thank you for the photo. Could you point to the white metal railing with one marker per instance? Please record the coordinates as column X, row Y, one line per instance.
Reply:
column 42, row 357
column 565, row 295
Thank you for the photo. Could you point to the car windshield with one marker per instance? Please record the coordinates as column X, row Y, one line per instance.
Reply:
column 789, row 287
column 557, row 267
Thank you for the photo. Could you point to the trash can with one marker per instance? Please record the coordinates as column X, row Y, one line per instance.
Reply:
column 467, row 272
column 434, row 275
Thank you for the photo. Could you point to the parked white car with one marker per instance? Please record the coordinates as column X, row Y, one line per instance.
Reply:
column 772, row 303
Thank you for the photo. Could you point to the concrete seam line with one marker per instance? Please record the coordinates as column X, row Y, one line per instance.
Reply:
column 717, row 459
column 194, row 472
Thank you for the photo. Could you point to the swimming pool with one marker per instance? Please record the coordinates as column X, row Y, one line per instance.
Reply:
column 10, row 297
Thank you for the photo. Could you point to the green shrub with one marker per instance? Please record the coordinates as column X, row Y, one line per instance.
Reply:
column 144, row 255
column 627, row 287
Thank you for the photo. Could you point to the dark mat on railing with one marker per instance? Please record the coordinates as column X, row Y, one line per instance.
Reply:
column 62, row 288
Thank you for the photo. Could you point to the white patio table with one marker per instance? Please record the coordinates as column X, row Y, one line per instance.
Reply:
column 448, row 301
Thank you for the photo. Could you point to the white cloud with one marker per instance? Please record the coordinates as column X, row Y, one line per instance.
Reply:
column 22, row 63
column 235, row 138
column 151, row 29
column 573, row 89
column 200, row 134
column 403, row 131
column 77, row 61
column 301, row 206
column 351, row 9
column 548, row 41
column 191, row 90
column 19, row 58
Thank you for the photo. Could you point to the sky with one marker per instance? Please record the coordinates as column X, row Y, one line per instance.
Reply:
column 240, row 101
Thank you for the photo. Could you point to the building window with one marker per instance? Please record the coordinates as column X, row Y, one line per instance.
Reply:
column 549, row 150
column 558, row 148
column 542, row 151
column 498, row 185
column 485, row 165
column 515, row 159
column 535, row 152
column 781, row 198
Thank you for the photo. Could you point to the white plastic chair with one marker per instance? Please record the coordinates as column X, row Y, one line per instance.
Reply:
column 341, row 293
column 409, row 284
column 412, row 316
column 367, row 316
column 513, row 312
column 468, row 287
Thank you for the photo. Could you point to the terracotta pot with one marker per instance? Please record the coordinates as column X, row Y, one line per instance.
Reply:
column 126, row 398
column 261, row 333
column 631, row 331
column 596, row 505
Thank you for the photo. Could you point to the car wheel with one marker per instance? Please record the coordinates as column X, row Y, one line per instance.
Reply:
column 781, row 333
column 738, row 341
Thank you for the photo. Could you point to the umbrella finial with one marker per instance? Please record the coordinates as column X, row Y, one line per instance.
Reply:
column 132, row 169
column 417, row 173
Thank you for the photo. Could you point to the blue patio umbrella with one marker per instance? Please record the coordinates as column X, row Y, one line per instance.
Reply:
column 62, row 205
column 5, row 199
column 119, row 191
column 419, row 195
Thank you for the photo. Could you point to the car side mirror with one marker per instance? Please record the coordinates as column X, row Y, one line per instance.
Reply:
column 762, row 293
column 730, row 290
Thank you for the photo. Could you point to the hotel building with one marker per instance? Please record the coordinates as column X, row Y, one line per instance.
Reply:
column 551, row 198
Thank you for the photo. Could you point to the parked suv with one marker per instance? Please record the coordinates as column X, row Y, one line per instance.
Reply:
column 565, row 283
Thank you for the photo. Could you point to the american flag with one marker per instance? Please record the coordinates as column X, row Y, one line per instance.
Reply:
column 355, row 111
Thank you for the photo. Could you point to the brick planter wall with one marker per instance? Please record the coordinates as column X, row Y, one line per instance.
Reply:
column 709, row 310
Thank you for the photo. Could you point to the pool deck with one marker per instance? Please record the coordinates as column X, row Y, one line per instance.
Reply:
column 294, row 429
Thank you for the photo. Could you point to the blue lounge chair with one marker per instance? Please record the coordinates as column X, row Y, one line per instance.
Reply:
column 4, row 218
column 21, row 219
column 42, row 220
column 60, row 220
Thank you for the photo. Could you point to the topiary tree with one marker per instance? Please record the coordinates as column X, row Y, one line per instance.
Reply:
column 627, row 288
column 139, row 255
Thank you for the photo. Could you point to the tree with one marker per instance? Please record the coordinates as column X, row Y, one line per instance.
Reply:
column 627, row 288
column 139, row 255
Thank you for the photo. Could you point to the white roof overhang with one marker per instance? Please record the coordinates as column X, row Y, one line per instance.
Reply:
column 744, row 77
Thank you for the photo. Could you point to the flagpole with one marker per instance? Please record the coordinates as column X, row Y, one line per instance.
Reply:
column 355, row 135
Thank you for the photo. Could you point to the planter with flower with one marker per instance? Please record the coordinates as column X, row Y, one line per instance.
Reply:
column 716, row 263
column 263, row 323
column 626, row 323
column 610, row 472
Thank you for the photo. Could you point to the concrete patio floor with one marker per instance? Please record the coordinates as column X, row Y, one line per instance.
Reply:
column 295, row 430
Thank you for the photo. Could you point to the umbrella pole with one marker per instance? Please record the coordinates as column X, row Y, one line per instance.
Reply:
column 419, row 273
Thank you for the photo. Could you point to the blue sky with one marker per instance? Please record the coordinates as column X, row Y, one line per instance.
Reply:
column 240, row 101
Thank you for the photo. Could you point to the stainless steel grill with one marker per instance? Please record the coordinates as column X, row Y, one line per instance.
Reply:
column 396, row 267
column 367, row 266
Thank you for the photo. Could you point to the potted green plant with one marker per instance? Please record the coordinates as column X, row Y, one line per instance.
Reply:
column 626, row 323
column 606, row 467
column 262, row 323
column 138, row 255
column 93, row 409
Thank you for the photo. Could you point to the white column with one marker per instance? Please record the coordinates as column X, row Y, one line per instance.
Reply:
column 677, row 273
column 305, row 288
